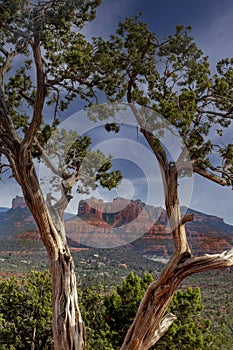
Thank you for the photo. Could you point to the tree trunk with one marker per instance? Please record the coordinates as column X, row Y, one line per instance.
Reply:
column 145, row 329
column 68, row 327
column 150, row 323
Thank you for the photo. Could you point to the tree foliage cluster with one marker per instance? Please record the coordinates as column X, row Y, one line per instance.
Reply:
column 173, row 77
column 25, row 310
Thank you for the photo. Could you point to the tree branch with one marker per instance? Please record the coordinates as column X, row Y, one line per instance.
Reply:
column 11, row 161
column 210, row 176
column 18, row 32
column 39, row 99
column 5, row 119
column 159, row 153
column 227, row 114
column 205, row 262
column 47, row 160
column 187, row 218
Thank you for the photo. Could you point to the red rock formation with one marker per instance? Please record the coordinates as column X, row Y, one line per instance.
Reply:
column 18, row 202
column 91, row 206
column 119, row 211
column 123, row 218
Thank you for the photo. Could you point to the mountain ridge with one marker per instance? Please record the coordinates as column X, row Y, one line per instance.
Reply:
column 206, row 234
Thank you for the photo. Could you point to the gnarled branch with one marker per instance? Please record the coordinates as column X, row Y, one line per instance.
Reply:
column 39, row 99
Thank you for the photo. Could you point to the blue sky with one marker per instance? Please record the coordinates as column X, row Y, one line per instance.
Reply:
column 212, row 23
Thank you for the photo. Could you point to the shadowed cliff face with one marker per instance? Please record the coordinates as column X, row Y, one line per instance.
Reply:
column 206, row 234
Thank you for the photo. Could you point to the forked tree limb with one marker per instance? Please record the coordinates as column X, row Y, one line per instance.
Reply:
column 150, row 323
column 206, row 262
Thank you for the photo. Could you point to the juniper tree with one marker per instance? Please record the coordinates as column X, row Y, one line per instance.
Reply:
column 45, row 63
column 172, row 77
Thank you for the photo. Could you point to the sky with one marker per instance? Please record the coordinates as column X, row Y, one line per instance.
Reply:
column 212, row 23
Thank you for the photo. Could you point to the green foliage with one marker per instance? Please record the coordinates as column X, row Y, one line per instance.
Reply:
column 26, row 312
column 223, row 331
column 112, row 127
column 93, row 313
column 72, row 154
column 190, row 330
column 70, row 69
column 174, row 79
column 122, row 304
column 96, row 168
column 66, row 53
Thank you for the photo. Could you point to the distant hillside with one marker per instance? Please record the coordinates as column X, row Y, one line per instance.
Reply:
column 206, row 233
column 18, row 218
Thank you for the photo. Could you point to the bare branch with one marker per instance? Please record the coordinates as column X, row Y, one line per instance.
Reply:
column 47, row 160
column 206, row 98
column 187, row 218
column 18, row 32
column 159, row 153
column 227, row 114
column 11, row 161
column 206, row 262
column 2, row 166
column 6, row 65
column 39, row 99
column 210, row 176
column 4, row 51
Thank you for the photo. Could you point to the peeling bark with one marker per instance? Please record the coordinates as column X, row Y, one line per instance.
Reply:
column 150, row 324
column 68, row 327
column 67, row 322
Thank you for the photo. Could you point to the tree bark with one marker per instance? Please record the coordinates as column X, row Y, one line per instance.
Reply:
column 68, row 327
column 150, row 324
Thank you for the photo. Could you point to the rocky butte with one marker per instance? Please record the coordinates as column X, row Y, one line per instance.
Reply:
column 18, row 202
column 206, row 234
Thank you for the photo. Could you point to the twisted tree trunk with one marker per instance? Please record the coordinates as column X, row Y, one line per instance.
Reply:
column 150, row 324
column 68, row 327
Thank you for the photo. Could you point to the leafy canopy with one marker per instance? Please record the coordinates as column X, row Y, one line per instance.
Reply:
column 26, row 312
column 173, row 78
column 45, row 64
